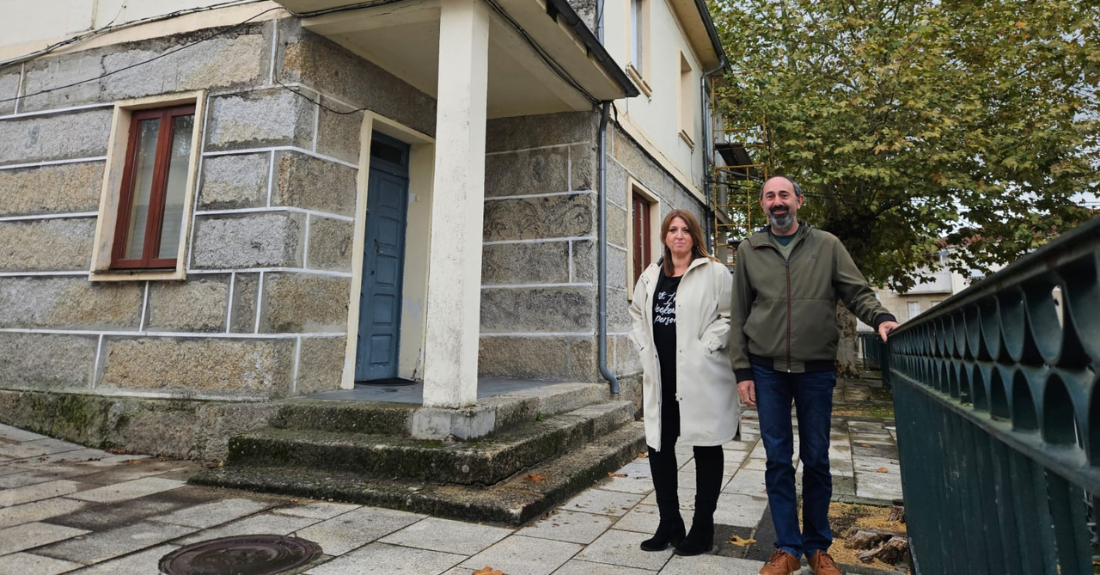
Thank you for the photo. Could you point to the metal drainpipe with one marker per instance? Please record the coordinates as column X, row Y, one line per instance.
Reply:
column 601, row 147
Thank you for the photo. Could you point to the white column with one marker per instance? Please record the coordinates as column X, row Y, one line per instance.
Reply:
column 458, row 197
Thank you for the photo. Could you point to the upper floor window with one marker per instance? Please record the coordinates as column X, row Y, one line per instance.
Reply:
column 638, row 46
column 154, row 184
column 687, row 101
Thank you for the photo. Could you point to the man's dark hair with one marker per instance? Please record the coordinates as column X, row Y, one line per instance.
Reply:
column 797, row 188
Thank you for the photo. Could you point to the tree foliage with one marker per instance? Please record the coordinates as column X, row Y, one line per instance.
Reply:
column 908, row 122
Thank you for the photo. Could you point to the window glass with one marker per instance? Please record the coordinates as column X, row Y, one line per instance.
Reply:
column 175, row 188
column 636, row 34
column 144, row 167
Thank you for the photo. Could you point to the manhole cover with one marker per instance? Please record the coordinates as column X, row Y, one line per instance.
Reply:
column 241, row 555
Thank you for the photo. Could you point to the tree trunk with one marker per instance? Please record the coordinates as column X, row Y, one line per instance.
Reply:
column 848, row 361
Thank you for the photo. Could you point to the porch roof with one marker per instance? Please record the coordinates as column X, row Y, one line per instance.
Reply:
column 542, row 57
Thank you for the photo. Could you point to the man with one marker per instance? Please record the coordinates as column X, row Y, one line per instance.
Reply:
column 783, row 338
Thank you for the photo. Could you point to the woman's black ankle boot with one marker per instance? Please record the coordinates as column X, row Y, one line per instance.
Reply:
column 667, row 534
column 700, row 540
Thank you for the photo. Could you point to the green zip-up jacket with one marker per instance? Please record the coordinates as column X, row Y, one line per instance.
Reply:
column 783, row 314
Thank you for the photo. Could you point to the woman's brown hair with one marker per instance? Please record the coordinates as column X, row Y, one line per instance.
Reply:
column 698, row 245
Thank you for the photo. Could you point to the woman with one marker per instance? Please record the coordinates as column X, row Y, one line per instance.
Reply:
column 681, row 314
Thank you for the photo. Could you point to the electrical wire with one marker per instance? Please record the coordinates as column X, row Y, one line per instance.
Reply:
column 143, row 62
column 546, row 58
column 109, row 27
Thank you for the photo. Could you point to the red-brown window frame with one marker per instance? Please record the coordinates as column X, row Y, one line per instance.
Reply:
column 155, row 217
column 641, row 251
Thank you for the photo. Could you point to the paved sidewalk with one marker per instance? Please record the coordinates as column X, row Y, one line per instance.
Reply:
column 65, row 508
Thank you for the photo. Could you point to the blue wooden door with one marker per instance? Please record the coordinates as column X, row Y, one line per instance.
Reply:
column 383, row 260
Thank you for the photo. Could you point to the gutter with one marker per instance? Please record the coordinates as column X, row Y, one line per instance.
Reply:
column 555, row 8
column 712, row 32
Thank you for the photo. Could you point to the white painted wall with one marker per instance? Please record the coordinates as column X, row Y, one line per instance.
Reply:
column 658, row 116
column 46, row 21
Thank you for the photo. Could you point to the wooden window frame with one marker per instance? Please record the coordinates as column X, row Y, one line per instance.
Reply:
column 155, row 218
column 638, row 39
column 117, row 183
column 649, row 236
column 641, row 249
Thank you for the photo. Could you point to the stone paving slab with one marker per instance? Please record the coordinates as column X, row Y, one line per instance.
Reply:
column 570, row 526
column 35, row 448
column 383, row 559
column 645, row 518
column 31, row 535
column 739, row 510
column 579, row 567
column 318, row 510
column 106, row 545
column 353, row 529
column 710, row 565
column 447, row 536
column 604, row 502
column 519, row 554
column 26, row 477
column 27, row 563
column 128, row 490
column 38, row 511
column 621, row 548
column 213, row 513
column 263, row 524
column 10, row 497
column 143, row 563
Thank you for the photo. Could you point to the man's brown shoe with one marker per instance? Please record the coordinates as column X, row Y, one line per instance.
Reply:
column 781, row 563
column 822, row 564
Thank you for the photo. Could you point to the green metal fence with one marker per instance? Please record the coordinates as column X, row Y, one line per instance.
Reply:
column 873, row 350
column 998, row 417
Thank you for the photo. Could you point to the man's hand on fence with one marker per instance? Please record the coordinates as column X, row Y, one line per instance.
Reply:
column 885, row 328
column 747, row 390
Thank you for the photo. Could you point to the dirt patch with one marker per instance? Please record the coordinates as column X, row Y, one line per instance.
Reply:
column 843, row 516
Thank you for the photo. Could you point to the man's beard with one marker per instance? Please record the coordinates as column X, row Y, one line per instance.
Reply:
column 781, row 222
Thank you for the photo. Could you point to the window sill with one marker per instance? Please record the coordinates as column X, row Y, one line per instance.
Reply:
column 177, row 274
column 687, row 139
column 636, row 76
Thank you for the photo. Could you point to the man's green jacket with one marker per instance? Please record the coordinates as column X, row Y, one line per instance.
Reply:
column 784, row 310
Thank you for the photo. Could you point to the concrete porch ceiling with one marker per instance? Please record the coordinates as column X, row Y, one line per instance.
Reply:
column 403, row 38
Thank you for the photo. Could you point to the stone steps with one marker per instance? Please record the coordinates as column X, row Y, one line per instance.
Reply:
column 491, row 415
column 512, row 501
column 484, row 461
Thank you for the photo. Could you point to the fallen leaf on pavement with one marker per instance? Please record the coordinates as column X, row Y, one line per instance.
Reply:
column 533, row 477
column 613, row 474
column 643, row 455
column 865, row 445
column 738, row 541
column 488, row 571
column 881, row 470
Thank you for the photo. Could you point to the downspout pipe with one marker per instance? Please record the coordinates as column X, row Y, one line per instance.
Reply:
column 601, row 147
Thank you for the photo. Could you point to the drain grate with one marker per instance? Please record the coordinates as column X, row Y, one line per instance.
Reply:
column 241, row 555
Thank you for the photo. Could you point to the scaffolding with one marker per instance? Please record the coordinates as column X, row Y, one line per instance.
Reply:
column 740, row 162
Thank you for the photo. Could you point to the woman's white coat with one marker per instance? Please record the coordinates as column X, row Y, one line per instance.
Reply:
column 705, row 385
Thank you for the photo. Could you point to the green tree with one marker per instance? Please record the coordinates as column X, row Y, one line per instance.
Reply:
column 911, row 121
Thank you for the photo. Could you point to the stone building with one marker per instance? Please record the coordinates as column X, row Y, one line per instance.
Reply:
column 207, row 208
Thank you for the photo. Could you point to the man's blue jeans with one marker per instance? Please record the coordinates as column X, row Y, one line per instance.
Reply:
column 812, row 394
